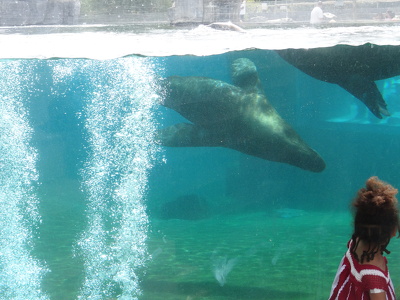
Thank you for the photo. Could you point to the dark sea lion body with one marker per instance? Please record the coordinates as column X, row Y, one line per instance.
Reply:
column 240, row 118
column 354, row 68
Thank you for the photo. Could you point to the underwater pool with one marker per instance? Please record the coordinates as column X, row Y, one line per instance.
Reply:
column 145, row 163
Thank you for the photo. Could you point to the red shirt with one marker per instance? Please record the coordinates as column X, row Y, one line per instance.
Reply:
column 354, row 281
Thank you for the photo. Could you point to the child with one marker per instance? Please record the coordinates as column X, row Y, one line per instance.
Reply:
column 363, row 272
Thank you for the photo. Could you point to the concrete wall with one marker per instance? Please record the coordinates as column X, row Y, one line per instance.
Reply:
column 35, row 12
column 204, row 11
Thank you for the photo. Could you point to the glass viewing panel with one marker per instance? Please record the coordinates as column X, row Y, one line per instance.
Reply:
column 190, row 149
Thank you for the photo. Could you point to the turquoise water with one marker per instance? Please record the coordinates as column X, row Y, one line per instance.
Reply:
column 271, row 257
column 94, row 208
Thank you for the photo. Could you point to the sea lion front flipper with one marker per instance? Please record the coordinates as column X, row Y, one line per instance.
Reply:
column 187, row 135
column 367, row 91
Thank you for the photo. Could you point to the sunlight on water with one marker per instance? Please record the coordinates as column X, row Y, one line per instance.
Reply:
column 100, row 42
column 120, row 127
column 222, row 266
column 21, row 274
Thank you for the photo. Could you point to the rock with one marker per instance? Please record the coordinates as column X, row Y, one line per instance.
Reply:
column 39, row 12
column 64, row 12
column 15, row 12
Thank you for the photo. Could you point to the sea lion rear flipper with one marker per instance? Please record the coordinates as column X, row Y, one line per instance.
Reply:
column 367, row 91
column 187, row 135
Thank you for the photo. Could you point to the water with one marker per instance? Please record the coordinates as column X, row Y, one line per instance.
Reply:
column 107, row 42
column 120, row 126
column 94, row 208
column 21, row 273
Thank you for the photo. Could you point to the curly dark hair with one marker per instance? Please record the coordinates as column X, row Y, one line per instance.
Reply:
column 376, row 217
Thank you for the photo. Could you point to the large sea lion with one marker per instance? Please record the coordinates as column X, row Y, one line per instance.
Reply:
column 233, row 116
column 354, row 68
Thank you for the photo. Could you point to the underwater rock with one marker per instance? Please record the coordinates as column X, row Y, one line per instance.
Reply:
column 187, row 207
column 354, row 68
column 235, row 117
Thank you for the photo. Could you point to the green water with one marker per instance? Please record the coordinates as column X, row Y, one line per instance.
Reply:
column 274, row 257
column 277, row 258
column 269, row 231
column 62, row 222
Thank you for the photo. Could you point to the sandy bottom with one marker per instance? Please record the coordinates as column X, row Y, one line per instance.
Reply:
column 251, row 256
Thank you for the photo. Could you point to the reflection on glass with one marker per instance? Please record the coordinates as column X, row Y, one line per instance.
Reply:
column 150, row 150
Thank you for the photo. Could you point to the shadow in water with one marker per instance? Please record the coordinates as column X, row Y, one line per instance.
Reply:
column 211, row 290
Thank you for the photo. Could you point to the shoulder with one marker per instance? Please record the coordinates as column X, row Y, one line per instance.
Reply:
column 372, row 277
column 375, row 280
column 364, row 272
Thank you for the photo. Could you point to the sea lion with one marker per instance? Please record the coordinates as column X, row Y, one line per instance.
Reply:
column 233, row 116
column 226, row 26
column 354, row 68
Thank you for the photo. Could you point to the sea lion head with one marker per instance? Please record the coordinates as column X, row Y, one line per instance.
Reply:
column 244, row 73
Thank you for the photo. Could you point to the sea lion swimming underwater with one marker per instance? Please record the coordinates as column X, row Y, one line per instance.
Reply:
column 235, row 116
column 354, row 68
